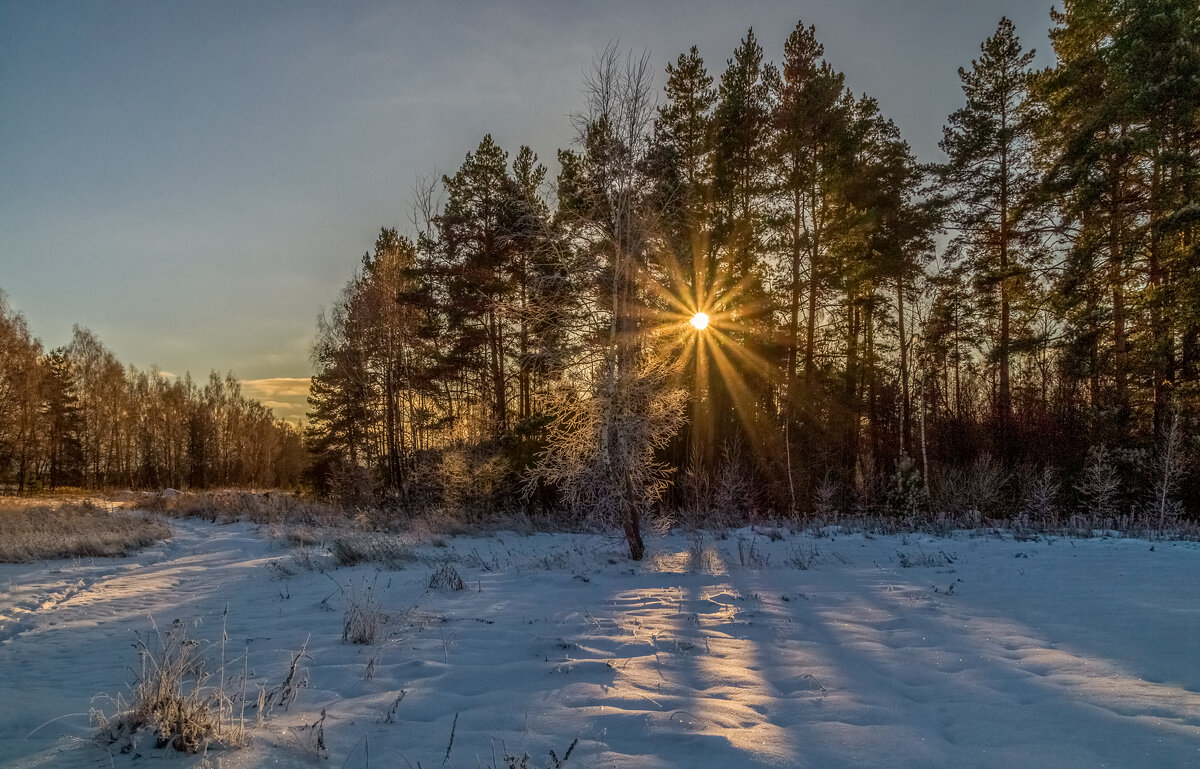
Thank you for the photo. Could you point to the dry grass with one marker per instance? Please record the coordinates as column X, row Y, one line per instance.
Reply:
column 37, row 529
column 446, row 577
column 175, row 699
column 364, row 621
column 271, row 507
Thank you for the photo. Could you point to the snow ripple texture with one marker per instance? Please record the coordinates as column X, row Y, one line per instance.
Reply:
column 882, row 652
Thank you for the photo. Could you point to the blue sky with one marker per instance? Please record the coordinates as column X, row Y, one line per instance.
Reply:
column 194, row 180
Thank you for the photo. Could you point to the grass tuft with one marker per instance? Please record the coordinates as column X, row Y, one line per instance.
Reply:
column 175, row 699
column 446, row 578
column 364, row 621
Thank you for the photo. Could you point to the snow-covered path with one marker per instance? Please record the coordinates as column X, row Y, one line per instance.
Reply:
column 981, row 652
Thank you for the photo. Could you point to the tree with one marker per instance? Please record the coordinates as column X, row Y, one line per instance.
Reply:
column 20, row 379
column 741, row 401
column 898, row 225
column 474, row 233
column 989, row 177
column 367, row 356
column 811, row 153
column 60, row 411
column 602, row 442
column 678, row 163
column 741, row 125
column 1123, row 153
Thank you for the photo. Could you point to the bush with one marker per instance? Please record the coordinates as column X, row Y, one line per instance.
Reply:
column 446, row 578
column 351, row 547
column 174, row 698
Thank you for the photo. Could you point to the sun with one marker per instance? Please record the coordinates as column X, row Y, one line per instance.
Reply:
column 700, row 321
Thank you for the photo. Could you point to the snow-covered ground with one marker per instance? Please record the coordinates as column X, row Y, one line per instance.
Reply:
column 887, row 651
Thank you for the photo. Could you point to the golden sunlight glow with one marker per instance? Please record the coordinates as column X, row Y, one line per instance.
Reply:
column 701, row 314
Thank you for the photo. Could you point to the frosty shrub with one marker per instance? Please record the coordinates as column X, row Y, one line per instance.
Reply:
column 803, row 558
column 697, row 492
column 733, row 492
column 351, row 486
column 969, row 493
column 750, row 556
column 825, row 499
column 601, row 447
column 987, row 481
column 1167, row 469
column 469, row 482
column 1040, row 503
column 906, row 490
column 1099, row 485
column 446, row 577
column 175, row 699
column 350, row 547
column 870, row 488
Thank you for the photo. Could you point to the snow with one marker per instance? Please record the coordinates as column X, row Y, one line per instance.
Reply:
column 985, row 652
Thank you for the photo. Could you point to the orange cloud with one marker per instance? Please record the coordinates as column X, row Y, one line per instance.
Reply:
column 286, row 396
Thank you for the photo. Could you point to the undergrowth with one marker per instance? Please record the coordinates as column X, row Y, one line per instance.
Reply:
column 236, row 505
column 74, row 530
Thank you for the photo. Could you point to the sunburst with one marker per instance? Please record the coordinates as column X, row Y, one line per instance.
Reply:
column 702, row 317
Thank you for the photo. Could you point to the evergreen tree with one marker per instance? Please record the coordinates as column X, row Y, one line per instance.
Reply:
column 812, row 153
column 679, row 165
column 474, row 236
column 989, row 178
column 1121, row 144
column 739, row 385
column 741, row 127
column 60, row 411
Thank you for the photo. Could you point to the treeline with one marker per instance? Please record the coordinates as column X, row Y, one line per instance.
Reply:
column 1008, row 326
column 75, row 416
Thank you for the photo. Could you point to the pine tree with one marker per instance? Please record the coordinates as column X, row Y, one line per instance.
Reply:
column 741, row 126
column 60, row 412
column 1123, row 150
column 897, row 227
column 742, row 401
column 990, row 177
column 474, row 230
column 678, row 163
column 811, row 154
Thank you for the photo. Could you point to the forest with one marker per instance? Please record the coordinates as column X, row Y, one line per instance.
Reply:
column 741, row 295
column 76, row 417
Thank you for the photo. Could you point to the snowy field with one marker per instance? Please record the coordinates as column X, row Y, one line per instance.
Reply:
column 844, row 651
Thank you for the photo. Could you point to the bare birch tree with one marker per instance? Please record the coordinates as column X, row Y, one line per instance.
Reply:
column 601, row 452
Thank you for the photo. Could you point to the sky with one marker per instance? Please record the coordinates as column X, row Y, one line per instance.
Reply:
column 194, row 182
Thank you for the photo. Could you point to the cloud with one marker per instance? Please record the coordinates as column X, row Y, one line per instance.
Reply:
column 276, row 387
column 286, row 396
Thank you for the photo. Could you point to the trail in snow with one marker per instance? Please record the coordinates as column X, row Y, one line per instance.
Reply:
column 1054, row 653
